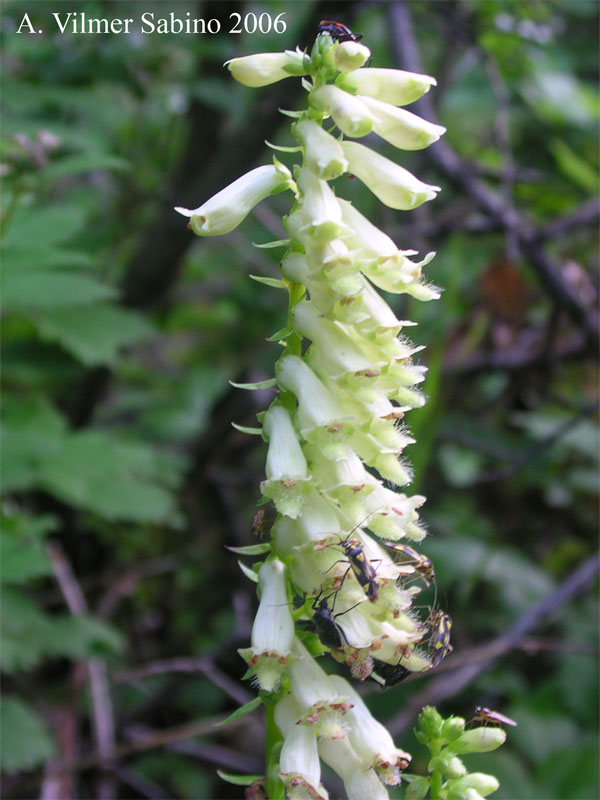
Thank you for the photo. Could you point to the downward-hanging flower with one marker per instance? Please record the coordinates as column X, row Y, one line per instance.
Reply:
column 229, row 207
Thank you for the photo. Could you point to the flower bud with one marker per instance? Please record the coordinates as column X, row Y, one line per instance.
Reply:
column 350, row 115
column 401, row 128
column 320, row 208
column 481, row 783
column 348, row 56
column 287, row 481
column 323, row 153
column 229, row 207
column 392, row 184
column 451, row 766
column 452, row 728
column 261, row 69
column 479, row 740
column 417, row 788
column 430, row 722
column 388, row 85
column 273, row 628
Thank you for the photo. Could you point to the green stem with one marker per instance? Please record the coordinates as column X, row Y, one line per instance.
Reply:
column 273, row 741
column 435, row 789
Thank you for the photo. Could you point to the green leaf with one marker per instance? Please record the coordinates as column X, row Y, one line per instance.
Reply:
column 254, row 386
column 240, row 780
column 29, row 634
column 26, row 742
column 251, row 549
column 32, row 432
column 244, row 429
column 84, row 162
column 275, row 243
column 36, row 229
column 274, row 283
column 247, row 708
column 574, row 167
column 283, row 333
column 249, row 573
column 93, row 335
column 112, row 479
column 42, row 289
column 22, row 555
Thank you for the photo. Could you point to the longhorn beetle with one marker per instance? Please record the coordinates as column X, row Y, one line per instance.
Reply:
column 361, row 567
column 439, row 643
column 329, row 632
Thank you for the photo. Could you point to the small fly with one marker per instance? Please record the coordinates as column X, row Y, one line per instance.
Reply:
column 338, row 32
column 483, row 714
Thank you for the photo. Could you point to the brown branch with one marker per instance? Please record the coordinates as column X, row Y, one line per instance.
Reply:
column 202, row 664
column 534, row 452
column 449, row 685
column 518, row 359
column 102, row 708
column 586, row 214
column 526, row 236
column 154, row 741
column 210, row 753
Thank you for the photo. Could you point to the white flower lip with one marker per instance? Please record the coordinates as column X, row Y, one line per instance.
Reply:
column 350, row 115
column 392, row 184
column 394, row 86
column 400, row 127
column 262, row 69
column 225, row 210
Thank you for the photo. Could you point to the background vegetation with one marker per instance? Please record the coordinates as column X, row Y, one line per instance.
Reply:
column 123, row 479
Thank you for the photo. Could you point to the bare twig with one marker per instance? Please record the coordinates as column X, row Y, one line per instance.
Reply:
column 210, row 753
column 449, row 685
column 102, row 709
column 517, row 359
column 585, row 214
column 525, row 457
column 203, row 664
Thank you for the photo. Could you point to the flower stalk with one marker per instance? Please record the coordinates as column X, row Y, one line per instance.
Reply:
column 335, row 432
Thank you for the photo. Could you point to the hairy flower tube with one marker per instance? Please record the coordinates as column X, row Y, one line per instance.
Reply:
column 336, row 577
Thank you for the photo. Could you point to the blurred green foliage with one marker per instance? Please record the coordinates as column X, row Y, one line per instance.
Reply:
column 117, row 442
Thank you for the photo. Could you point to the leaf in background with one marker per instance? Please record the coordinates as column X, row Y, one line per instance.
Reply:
column 85, row 162
column 41, row 289
column 93, row 335
column 35, row 229
column 574, row 167
column 26, row 742
column 112, row 479
column 22, row 555
column 32, row 432
column 29, row 634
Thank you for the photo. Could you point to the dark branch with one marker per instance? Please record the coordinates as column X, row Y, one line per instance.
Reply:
column 490, row 201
